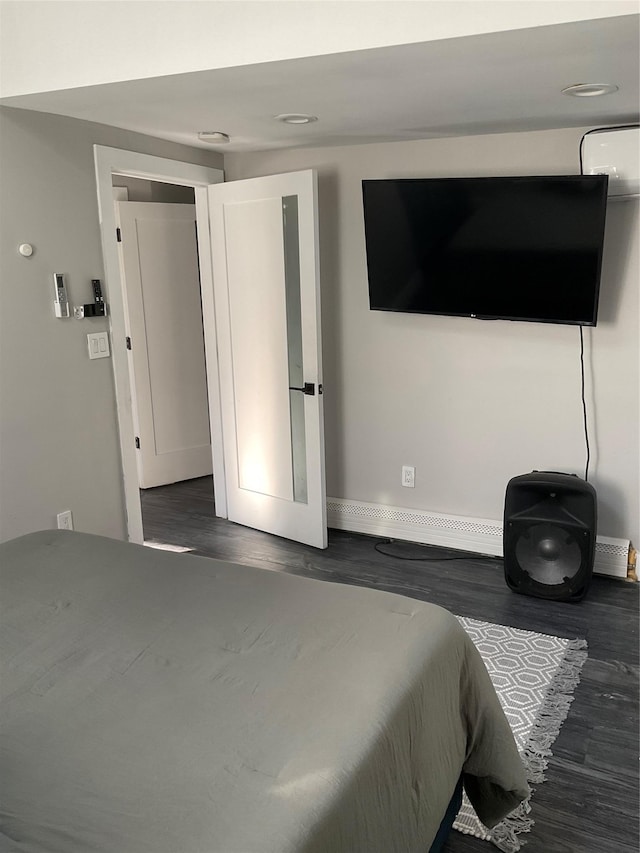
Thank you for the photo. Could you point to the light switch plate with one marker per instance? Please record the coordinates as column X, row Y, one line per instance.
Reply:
column 98, row 345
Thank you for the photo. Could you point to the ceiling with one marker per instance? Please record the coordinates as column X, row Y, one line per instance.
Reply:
column 494, row 83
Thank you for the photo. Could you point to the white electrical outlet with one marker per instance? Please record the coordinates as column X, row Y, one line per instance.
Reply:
column 408, row 476
column 65, row 520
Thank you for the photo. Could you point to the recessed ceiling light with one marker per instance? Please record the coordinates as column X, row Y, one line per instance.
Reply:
column 589, row 90
column 214, row 137
column 296, row 118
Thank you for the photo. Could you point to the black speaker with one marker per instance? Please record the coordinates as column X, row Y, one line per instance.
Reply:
column 549, row 535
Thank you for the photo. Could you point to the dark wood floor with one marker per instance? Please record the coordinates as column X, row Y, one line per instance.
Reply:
column 589, row 803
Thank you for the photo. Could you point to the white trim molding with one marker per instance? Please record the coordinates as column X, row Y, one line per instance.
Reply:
column 612, row 556
column 116, row 161
column 480, row 535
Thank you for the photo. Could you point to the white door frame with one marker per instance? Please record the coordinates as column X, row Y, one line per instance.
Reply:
column 115, row 161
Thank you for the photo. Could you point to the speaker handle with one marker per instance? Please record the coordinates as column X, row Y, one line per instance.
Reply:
column 561, row 473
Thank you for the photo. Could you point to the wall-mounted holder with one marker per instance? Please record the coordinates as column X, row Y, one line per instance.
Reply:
column 97, row 308
column 60, row 301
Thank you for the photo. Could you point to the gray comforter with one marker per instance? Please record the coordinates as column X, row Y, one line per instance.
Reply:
column 162, row 703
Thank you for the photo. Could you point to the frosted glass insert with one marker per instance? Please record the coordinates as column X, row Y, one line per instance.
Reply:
column 294, row 340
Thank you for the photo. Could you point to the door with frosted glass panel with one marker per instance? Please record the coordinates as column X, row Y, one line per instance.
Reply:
column 267, row 294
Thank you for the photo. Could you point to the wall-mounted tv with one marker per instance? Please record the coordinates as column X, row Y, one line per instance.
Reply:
column 511, row 248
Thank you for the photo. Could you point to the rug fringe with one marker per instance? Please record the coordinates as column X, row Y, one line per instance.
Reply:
column 536, row 753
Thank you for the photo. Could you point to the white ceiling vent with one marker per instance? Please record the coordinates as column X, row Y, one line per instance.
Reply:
column 614, row 151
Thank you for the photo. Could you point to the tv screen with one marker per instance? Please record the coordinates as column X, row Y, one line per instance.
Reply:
column 512, row 248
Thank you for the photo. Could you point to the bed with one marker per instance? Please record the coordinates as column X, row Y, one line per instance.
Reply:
column 155, row 702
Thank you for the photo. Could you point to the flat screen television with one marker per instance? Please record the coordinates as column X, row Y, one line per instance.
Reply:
column 510, row 248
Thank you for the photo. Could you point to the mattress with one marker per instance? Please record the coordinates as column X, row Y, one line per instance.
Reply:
column 161, row 703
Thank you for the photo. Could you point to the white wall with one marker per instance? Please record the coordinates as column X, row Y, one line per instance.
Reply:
column 46, row 45
column 470, row 404
column 58, row 433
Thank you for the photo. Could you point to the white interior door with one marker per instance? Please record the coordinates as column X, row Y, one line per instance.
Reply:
column 164, row 319
column 266, row 283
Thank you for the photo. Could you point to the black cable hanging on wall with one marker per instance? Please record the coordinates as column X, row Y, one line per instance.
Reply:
column 584, row 407
column 582, row 383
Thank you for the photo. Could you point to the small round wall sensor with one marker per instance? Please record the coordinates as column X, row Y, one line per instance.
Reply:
column 25, row 249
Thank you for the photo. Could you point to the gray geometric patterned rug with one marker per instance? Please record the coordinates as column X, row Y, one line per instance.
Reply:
column 535, row 676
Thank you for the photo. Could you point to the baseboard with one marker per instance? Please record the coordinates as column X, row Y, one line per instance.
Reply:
column 480, row 535
column 612, row 556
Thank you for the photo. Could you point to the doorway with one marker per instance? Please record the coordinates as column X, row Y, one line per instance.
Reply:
column 261, row 313
column 165, row 343
column 113, row 167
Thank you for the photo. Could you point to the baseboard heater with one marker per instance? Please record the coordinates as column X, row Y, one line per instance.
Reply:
column 480, row 535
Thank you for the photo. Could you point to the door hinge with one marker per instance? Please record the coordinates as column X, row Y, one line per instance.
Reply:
column 137, row 443
column 118, row 235
column 128, row 342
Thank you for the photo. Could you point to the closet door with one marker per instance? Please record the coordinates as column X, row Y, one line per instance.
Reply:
column 166, row 359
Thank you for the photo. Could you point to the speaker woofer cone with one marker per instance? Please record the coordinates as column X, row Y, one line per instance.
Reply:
column 548, row 554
